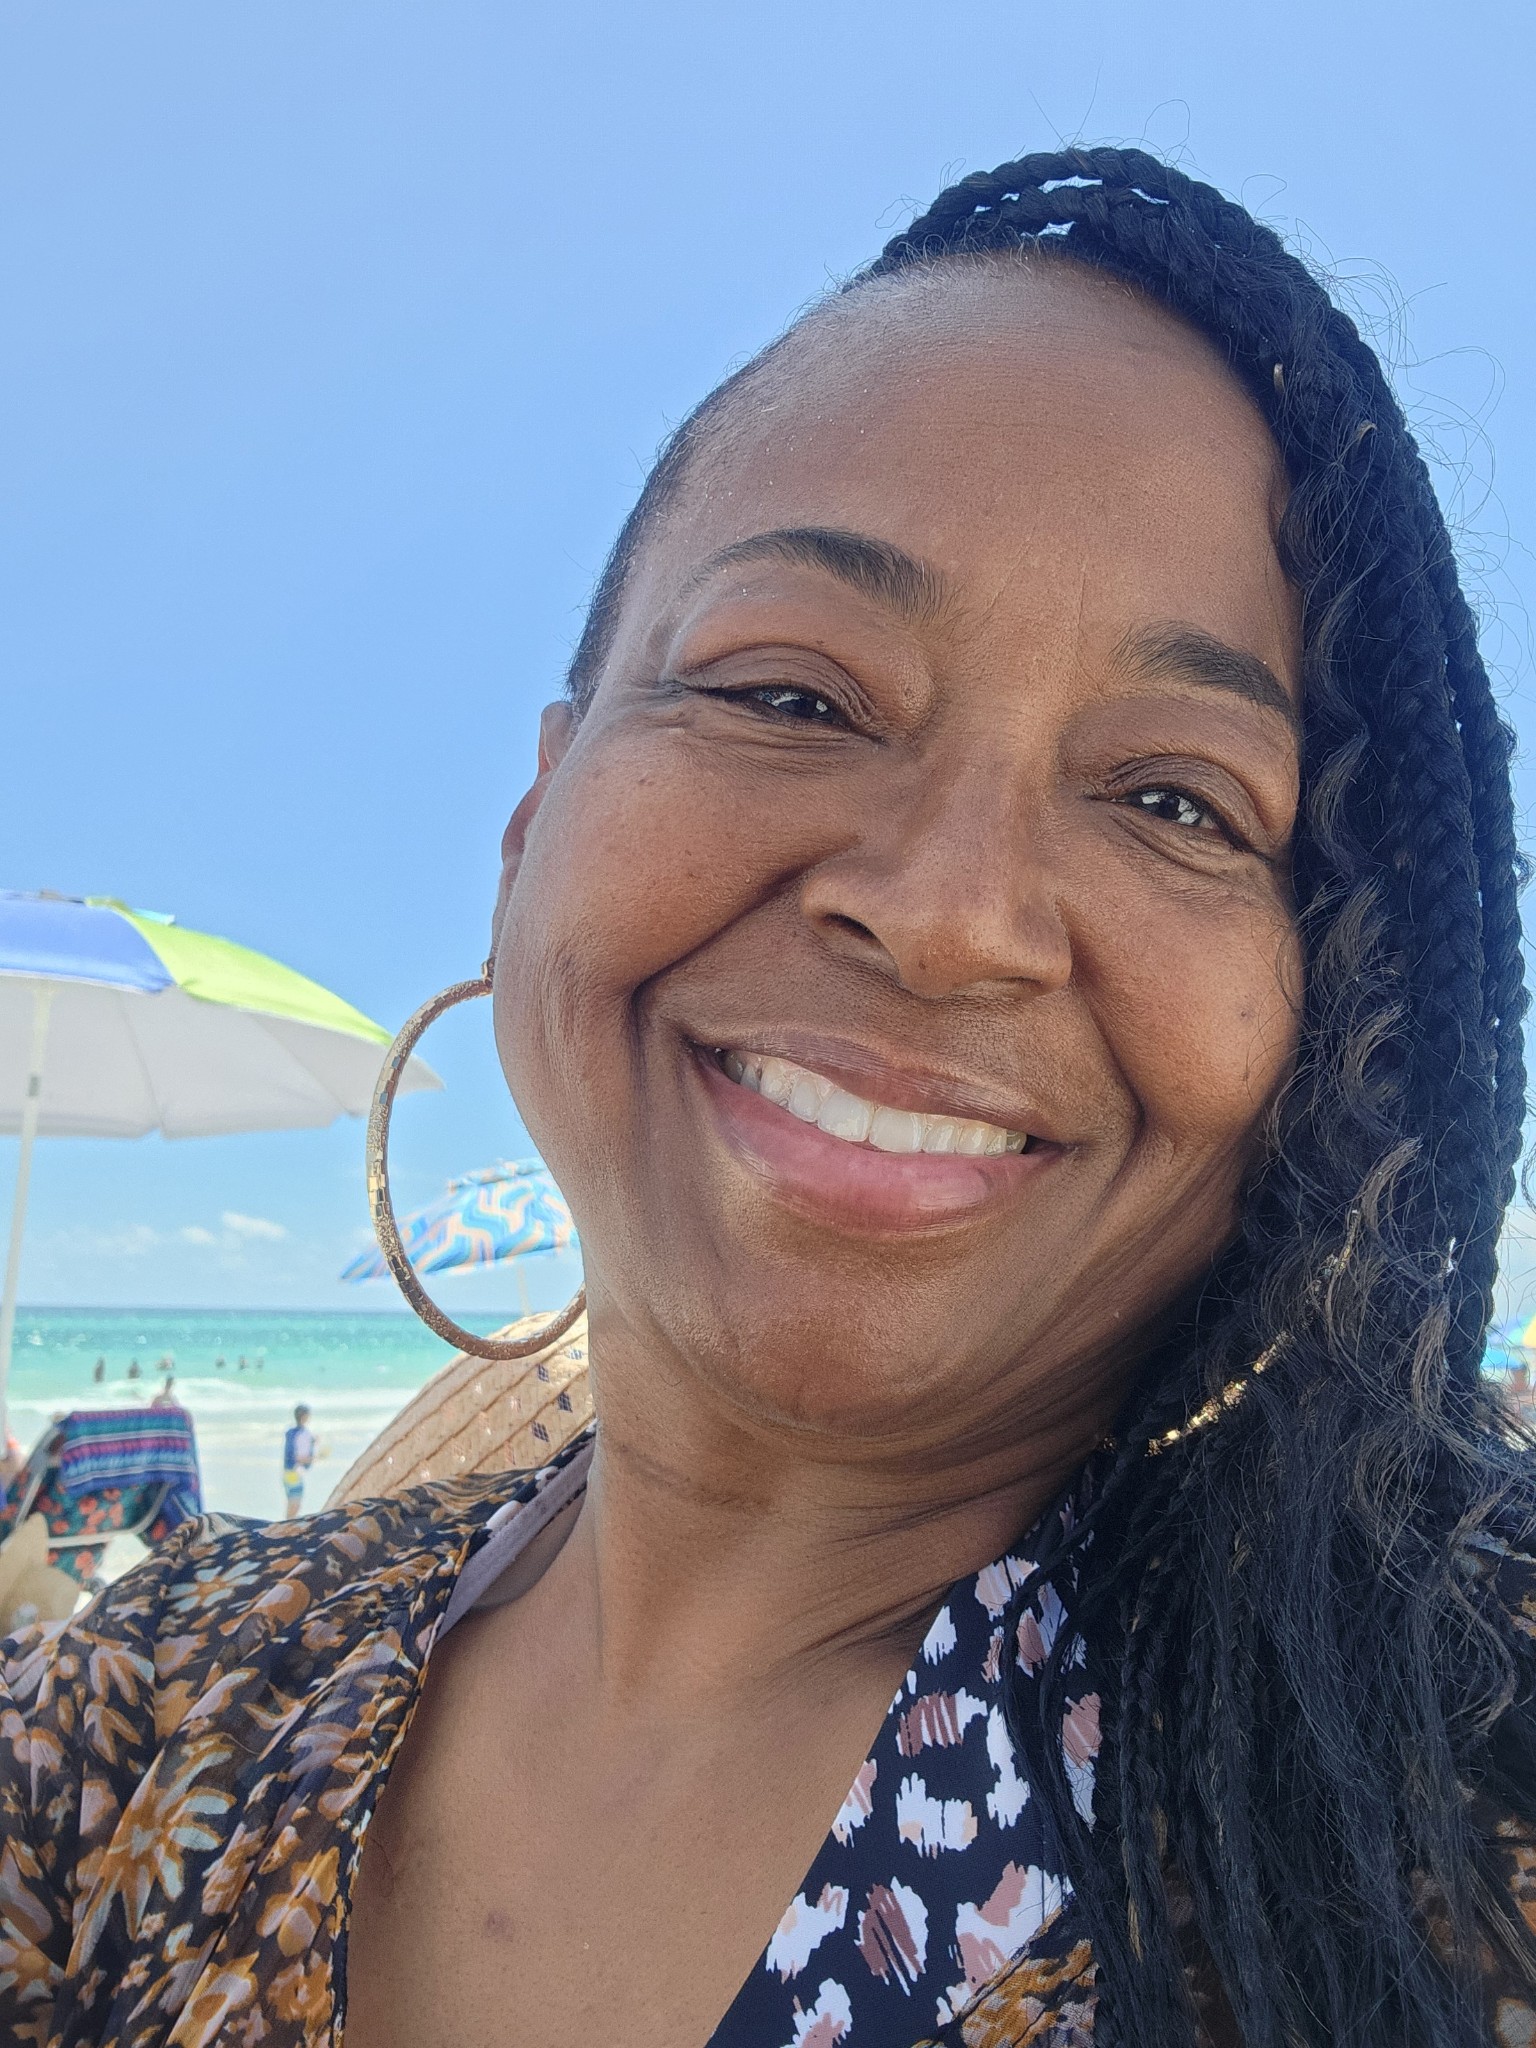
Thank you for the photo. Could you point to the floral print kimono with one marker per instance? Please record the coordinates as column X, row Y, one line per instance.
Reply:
column 188, row 1769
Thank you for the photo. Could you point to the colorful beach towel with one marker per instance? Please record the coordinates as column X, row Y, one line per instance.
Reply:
column 99, row 1472
column 105, row 1447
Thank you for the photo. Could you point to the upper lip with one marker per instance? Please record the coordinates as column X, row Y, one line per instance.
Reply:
column 897, row 1081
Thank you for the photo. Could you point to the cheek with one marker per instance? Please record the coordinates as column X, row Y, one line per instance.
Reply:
column 637, row 857
column 609, row 871
column 650, row 843
column 1199, row 1003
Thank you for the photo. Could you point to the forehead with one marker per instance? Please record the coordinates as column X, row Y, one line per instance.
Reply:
column 1021, row 428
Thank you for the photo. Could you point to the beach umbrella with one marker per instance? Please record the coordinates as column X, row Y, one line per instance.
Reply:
column 501, row 1212
column 116, row 1022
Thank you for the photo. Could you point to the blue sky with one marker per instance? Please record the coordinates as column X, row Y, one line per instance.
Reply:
column 334, row 343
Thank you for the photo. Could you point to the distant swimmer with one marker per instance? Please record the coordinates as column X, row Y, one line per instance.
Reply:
column 133, row 1368
column 218, row 1364
column 100, row 1371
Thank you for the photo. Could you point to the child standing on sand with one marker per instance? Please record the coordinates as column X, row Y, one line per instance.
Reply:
column 298, row 1456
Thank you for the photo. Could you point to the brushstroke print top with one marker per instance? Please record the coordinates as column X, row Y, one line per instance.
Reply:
column 187, row 1770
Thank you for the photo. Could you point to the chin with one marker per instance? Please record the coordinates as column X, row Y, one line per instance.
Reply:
column 818, row 1370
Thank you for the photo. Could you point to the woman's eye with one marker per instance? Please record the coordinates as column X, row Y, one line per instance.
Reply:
column 1175, row 807
column 789, row 702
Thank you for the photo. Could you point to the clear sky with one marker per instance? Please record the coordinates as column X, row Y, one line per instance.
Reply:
column 335, row 340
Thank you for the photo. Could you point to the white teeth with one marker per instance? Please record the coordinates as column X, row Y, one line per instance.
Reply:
column 777, row 1082
column 816, row 1100
column 846, row 1116
column 806, row 1097
column 896, row 1130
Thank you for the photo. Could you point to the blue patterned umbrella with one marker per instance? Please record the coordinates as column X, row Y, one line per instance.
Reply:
column 502, row 1212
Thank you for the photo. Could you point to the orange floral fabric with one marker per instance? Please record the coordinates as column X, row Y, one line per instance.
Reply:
column 187, row 1768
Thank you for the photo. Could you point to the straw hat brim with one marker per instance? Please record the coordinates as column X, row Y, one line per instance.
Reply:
column 479, row 1415
column 31, row 1589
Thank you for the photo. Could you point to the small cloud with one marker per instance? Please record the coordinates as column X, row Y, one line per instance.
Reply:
column 115, row 1241
column 132, row 1241
column 194, row 1233
column 252, row 1227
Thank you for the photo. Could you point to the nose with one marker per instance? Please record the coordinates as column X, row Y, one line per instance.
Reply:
column 949, row 891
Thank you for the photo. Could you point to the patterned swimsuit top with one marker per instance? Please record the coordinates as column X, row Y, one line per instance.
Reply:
column 934, row 1875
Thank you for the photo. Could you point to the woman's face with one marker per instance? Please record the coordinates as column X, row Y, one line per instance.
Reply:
column 941, row 779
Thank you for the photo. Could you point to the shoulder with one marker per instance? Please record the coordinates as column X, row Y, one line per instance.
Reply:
column 220, row 1581
column 230, row 1610
column 239, row 1669
column 238, row 1695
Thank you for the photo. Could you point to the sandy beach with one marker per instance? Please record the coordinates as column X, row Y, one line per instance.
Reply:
column 354, row 1371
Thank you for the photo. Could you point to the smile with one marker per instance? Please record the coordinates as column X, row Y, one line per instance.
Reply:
column 848, row 1161
column 858, row 1121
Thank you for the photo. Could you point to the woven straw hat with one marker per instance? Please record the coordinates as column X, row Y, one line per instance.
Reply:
column 31, row 1589
column 480, row 1415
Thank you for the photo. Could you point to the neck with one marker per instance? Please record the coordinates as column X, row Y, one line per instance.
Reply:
column 722, row 1555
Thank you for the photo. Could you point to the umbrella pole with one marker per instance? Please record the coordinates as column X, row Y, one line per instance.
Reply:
column 42, row 1003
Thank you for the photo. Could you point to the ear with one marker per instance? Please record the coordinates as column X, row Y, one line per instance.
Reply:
column 557, row 728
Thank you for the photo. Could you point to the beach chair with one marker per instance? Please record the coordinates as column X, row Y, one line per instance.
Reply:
column 107, row 1472
column 479, row 1415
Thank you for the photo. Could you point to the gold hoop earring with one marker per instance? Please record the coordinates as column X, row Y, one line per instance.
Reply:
column 382, row 1208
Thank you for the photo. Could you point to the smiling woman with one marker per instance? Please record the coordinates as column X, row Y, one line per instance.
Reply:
column 1011, row 955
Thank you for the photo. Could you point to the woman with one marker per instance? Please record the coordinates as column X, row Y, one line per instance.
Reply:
column 1012, row 955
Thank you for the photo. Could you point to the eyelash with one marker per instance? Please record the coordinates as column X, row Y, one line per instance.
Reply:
column 773, row 699
column 1145, row 799
column 1164, row 793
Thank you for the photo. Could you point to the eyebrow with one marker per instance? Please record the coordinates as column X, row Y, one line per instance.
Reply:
column 877, row 568
column 912, row 587
column 1191, row 655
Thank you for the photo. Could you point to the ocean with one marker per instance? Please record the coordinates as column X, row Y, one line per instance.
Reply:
column 239, row 1372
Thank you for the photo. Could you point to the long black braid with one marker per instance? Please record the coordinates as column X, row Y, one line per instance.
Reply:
column 1303, row 1677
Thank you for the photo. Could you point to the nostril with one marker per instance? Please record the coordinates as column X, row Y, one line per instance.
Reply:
column 835, row 921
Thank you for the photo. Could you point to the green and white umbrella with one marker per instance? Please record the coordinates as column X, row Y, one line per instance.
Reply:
column 115, row 1023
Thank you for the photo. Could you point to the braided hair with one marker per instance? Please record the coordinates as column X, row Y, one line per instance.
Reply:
column 1304, row 1675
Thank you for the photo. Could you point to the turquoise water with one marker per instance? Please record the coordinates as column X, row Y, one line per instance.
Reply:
column 355, row 1372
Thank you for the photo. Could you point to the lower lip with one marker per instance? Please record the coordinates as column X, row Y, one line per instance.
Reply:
column 859, row 1186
